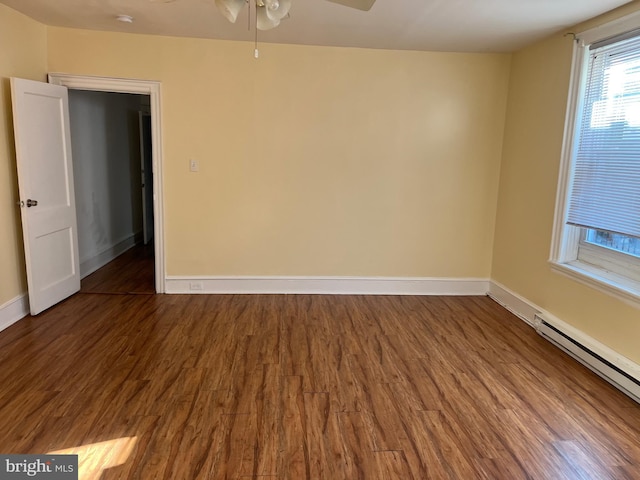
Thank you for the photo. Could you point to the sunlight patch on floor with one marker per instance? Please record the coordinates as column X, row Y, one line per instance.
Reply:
column 94, row 458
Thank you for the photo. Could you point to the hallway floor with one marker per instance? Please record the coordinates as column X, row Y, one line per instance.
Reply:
column 130, row 273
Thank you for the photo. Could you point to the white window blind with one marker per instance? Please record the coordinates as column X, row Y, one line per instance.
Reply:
column 606, row 181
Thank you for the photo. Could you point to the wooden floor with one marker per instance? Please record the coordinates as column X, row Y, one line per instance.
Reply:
column 131, row 272
column 307, row 387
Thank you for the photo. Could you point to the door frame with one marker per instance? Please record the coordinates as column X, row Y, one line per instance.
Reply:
column 143, row 87
column 146, row 212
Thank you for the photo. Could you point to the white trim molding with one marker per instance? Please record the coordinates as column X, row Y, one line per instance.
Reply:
column 599, row 358
column 519, row 306
column 328, row 285
column 13, row 310
column 144, row 87
column 602, row 280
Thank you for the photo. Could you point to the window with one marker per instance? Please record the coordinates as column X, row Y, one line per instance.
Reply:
column 597, row 229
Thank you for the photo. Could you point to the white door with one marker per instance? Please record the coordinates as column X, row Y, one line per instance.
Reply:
column 47, row 201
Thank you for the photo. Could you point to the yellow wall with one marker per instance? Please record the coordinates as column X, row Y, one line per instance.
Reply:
column 23, row 53
column 529, row 173
column 315, row 160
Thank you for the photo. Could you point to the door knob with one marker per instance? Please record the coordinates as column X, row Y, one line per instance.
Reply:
column 31, row 203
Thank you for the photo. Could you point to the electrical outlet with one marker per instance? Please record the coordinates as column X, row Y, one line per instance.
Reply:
column 195, row 286
column 193, row 165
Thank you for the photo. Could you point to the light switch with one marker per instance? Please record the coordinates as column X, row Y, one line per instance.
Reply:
column 193, row 165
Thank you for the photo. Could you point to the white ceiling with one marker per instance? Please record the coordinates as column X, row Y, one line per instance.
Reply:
column 440, row 25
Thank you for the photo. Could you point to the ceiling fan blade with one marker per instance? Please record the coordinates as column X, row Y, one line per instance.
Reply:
column 364, row 5
column 230, row 8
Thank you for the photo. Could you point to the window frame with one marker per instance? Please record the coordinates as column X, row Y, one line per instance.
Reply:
column 587, row 263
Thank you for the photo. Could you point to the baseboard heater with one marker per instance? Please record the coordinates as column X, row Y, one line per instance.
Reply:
column 596, row 363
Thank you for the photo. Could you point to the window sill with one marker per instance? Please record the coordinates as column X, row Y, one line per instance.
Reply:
column 616, row 285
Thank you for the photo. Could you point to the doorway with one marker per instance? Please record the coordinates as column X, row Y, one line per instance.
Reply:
column 112, row 150
column 151, row 93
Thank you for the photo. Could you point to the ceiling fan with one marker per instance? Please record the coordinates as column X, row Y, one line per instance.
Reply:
column 269, row 13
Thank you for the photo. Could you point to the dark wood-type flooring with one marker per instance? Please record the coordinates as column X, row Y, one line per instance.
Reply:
column 307, row 387
column 131, row 272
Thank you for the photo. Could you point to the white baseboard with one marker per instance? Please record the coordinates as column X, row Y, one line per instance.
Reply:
column 13, row 310
column 532, row 314
column 328, row 285
column 90, row 265
column 519, row 306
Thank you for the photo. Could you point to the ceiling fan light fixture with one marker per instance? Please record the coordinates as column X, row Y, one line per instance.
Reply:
column 270, row 12
column 278, row 9
column 230, row 8
column 264, row 20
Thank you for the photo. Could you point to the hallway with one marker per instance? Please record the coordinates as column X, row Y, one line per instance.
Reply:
column 130, row 273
